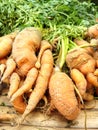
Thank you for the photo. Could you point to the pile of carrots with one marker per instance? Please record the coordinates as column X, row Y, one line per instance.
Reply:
column 27, row 66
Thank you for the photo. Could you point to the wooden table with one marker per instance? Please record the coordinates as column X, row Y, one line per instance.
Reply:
column 38, row 120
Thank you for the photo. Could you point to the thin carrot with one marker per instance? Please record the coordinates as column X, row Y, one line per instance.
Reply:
column 14, row 84
column 27, row 85
column 10, row 67
column 44, row 45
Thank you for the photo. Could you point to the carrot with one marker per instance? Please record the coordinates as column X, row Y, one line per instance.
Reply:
column 10, row 67
column 79, row 80
column 88, row 97
column 80, row 60
column 79, row 42
column 14, row 84
column 3, row 61
column 95, row 56
column 96, row 72
column 44, row 45
column 93, row 79
column 27, row 85
column 25, row 45
column 19, row 104
column 61, row 90
column 6, row 44
column 92, row 31
column 41, row 83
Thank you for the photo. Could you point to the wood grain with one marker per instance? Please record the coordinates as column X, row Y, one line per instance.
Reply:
column 38, row 120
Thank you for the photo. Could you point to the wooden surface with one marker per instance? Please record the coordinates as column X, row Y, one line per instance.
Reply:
column 38, row 120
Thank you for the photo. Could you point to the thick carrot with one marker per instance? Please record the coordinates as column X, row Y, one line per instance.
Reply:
column 81, row 60
column 61, row 89
column 92, row 31
column 41, row 83
column 27, row 85
column 79, row 80
column 6, row 44
column 44, row 45
column 14, row 84
column 88, row 67
column 25, row 45
column 10, row 67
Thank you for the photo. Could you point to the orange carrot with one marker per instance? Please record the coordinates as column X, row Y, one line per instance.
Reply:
column 24, row 48
column 6, row 44
column 93, row 31
column 27, row 85
column 88, row 97
column 93, row 79
column 79, row 80
column 61, row 89
column 3, row 61
column 44, row 45
column 14, row 84
column 10, row 67
column 96, row 72
column 19, row 104
column 81, row 60
column 79, row 42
